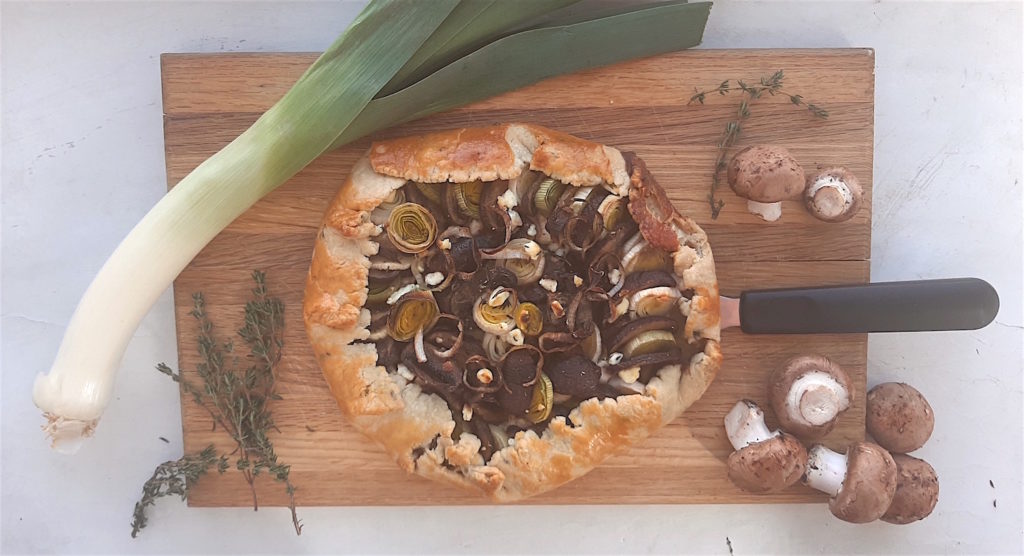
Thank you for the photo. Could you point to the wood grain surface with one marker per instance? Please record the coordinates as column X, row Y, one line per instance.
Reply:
column 640, row 106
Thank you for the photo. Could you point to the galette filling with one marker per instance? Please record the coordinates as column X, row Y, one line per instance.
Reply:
column 515, row 300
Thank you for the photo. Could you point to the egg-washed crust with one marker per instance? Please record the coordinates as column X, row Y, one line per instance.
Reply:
column 416, row 427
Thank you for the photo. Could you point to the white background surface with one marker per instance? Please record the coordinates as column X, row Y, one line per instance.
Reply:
column 83, row 161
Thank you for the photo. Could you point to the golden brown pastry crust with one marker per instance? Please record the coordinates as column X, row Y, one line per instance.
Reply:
column 416, row 427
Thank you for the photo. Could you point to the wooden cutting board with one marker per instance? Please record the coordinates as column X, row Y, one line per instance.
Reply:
column 639, row 106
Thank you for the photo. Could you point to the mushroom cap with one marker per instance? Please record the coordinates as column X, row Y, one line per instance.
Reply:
column 829, row 203
column 869, row 486
column 783, row 379
column 766, row 174
column 917, row 491
column 898, row 417
column 768, row 466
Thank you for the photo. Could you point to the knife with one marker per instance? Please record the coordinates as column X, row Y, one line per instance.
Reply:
column 910, row 306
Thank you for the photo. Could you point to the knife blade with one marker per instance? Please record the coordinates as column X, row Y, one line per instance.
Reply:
column 907, row 306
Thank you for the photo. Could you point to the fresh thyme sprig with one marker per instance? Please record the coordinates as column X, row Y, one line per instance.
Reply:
column 770, row 84
column 237, row 399
column 175, row 477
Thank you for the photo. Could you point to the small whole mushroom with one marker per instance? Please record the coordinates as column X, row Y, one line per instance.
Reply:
column 764, row 460
column 808, row 393
column 861, row 483
column 833, row 194
column 899, row 417
column 766, row 175
column 917, row 491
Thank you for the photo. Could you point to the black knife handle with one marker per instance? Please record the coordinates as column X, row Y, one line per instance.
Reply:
column 919, row 305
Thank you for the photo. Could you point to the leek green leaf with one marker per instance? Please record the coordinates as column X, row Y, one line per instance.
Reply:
column 530, row 56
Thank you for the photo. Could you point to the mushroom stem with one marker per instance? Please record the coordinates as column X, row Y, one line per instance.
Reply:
column 767, row 211
column 744, row 425
column 830, row 196
column 826, row 470
column 816, row 398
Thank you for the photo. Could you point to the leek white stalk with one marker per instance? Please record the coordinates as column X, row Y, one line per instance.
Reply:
column 296, row 130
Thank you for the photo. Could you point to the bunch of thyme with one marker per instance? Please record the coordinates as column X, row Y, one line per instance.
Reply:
column 237, row 399
column 770, row 84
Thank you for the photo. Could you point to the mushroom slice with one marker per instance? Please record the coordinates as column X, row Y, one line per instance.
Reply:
column 520, row 371
column 764, row 460
column 808, row 394
column 480, row 375
column 899, row 417
column 917, row 491
column 861, row 483
column 833, row 194
column 458, row 244
column 575, row 376
column 766, row 175
column 557, row 342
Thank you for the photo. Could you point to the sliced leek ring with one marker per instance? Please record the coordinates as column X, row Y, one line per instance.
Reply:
column 592, row 345
column 379, row 296
column 641, row 256
column 411, row 228
column 527, row 269
column 494, row 313
column 412, row 313
column 431, row 191
column 494, row 347
column 530, row 319
column 652, row 341
column 549, row 192
column 654, row 301
column 467, row 198
column 380, row 215
column 542, row 402
column 613, row 211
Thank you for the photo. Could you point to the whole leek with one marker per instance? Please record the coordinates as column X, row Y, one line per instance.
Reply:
column 290, row 135
column 398, row 61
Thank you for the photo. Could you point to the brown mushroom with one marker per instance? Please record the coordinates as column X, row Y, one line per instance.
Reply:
column 917, row 491
column 833, row 194
column 764, row 460
column 808, row 393
column 766, row 175
column 898, row 417
column 861, row 483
